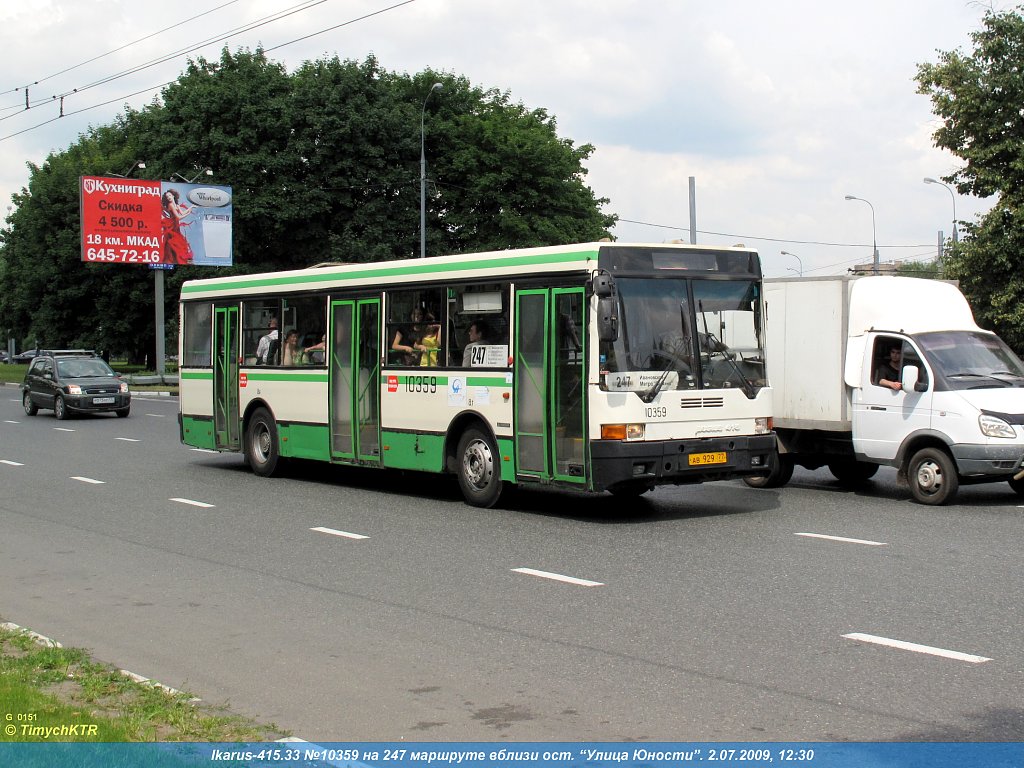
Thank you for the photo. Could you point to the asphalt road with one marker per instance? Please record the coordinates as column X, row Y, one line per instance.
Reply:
column 694, row 614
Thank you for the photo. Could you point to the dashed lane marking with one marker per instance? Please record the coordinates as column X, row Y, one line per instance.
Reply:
column 559, row 577
column 89, row 480
column 843, row 539
column 343, row 534
column 193, row 502
column 903, row 645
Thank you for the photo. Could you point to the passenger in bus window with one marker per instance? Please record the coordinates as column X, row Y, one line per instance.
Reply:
column 315, row 354
column 263, row 353
column 430, row 342
column 407, row 339
column 478, row 337
column 292, row 354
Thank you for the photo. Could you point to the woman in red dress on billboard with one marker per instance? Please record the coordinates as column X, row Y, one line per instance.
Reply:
column 175, row 246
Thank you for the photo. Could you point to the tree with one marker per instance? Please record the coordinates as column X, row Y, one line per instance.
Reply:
column 324, row 166
column 978, row 98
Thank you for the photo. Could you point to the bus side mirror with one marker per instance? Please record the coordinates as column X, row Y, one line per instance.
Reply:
column 607, row 319
column 604, row 286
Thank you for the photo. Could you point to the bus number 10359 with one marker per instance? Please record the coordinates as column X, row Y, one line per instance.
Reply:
column 421, row 384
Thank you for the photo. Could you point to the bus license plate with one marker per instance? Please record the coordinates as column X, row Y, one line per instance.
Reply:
column 700, row 459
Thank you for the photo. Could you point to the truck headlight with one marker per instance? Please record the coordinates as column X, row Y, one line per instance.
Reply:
column 993, row 426
column 762, row 425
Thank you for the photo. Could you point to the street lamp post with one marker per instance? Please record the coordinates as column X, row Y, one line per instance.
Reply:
column 423, row 173
column 952, row 194
column 874, row 236
column 126, row 174
column 798, row 259
column 205, row 171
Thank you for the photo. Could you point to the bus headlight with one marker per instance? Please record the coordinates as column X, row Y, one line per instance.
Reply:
column 762, row 425
column 993, row 426
column 622, row 431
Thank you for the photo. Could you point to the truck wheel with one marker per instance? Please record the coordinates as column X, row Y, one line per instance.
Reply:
column 851, row 472
column 778, row 477
column 479, row 471
column 932, row 476
column 1018, row 486
column 261, row 444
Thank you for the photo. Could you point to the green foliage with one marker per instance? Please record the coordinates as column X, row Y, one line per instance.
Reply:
column 978, row 98
column 325, row 166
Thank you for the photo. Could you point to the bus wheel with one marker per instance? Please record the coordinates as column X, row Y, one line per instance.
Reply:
column 479, row 471
column 778, row 477
column 932, row 476
column 261, row 443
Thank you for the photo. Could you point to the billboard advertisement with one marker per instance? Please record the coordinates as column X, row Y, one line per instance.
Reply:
column 128, row 221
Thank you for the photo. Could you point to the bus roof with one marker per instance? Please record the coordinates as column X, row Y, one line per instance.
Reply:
column 580, row 257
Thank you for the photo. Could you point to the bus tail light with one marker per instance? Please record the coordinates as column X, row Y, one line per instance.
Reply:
column 622, row 431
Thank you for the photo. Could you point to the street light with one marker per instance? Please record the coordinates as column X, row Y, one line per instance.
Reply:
column 423, row 173
column 136, row 164
column 787, row 253
column 874, row 236
column 206, row 171
column 952, row 194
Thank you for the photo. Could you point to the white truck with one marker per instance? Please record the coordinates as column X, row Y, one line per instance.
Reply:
column 951, row 414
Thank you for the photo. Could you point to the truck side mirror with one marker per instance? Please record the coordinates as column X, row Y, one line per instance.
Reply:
column 910, row 379
column 607, row 319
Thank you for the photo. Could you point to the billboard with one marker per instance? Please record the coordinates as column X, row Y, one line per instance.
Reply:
column 128, row 221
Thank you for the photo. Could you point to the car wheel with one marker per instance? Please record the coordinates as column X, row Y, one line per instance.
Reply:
column 60, row 410
column 778, row 477
column 26, row 402
column 261, row 444
column 932, row 476
column 479, row 470
column 123, row 412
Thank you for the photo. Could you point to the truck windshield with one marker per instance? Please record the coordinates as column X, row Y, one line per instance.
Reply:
column 972, row 359
column 685, row 334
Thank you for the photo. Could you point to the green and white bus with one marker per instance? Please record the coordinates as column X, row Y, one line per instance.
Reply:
column 598, row 367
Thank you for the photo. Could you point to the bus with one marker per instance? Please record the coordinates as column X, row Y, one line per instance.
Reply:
column 597, row 367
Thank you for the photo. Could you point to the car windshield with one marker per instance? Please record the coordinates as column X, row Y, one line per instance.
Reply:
column 82, row 369
column 972, row 359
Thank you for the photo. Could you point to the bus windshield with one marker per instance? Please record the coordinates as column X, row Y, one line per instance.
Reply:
column 681, row 334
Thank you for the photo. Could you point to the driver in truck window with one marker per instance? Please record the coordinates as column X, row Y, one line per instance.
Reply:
column 887, row 374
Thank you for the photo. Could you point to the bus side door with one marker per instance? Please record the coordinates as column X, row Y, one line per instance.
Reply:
column 226, row 424
column 550, row 384
column 354, row 372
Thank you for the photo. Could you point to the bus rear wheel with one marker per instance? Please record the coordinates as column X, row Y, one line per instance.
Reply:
column 478, row 469
column 261, row 444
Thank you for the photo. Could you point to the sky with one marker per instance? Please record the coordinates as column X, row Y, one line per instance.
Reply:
column 777, row 110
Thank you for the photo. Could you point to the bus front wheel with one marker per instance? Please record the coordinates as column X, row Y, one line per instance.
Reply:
column 261, row 443
column 478, row 469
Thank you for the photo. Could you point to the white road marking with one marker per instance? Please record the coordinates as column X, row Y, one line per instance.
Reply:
column 203, row 450
column 128, row 439
column 63, row 429
column 202, row 504
column 905, row 646
column 88, row 480
column 8, row 421
column 157, row 415
column 334, row 532
column 843, row 539
column 559, row 577
column 11, row 463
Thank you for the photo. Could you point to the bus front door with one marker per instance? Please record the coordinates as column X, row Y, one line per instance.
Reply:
column 355, row 380
column 226, row 427
column 550, row 385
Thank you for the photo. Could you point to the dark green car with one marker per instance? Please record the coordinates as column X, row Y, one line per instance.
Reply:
column 67, row 381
